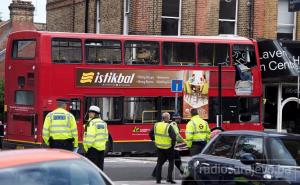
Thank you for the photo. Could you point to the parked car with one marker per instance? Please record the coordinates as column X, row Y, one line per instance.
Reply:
column 247, row 157
column 48, row 167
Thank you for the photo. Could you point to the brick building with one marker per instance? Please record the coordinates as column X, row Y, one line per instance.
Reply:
column 21, row 18
column 250, row 18
column 259, row 19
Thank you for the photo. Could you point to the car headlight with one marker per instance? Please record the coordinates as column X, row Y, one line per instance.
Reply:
column 196, row 163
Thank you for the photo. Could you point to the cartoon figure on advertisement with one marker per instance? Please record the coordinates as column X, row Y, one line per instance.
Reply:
column 195, row 94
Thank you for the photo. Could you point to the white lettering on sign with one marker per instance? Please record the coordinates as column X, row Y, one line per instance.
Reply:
column 274, row 65
column 114, row 78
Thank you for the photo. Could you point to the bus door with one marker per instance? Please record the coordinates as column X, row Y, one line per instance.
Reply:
column 76, row 108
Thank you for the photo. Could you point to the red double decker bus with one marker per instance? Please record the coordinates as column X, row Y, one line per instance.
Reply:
column 129, row 78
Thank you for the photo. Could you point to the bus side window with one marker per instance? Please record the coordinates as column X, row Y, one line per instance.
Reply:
column 75, row 108
column 111, row 108
column 103, row 52
column 210, row 54
column 66, row 50
column 249, row 109
column 141, row 53
column 179, row 53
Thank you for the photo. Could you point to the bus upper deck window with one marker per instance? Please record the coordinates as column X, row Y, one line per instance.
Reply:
column 244, row 54
column 141, row 53
column 66, row 50
column 210, row 54
column 103, row 52
column 179, row 53
column 23, row 49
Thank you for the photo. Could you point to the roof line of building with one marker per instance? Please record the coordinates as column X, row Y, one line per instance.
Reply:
column 4, row 24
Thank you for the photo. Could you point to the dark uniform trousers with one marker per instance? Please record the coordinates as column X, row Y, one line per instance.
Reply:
column 96, row 156
column 197, row 147
column 164, row 155
column 178, row 163
column 66, row 144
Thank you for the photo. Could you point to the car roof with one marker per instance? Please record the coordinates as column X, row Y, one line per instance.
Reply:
column 12, row 158
column 259, row 133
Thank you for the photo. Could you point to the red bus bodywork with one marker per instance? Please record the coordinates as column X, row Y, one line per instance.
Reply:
column 49, row 81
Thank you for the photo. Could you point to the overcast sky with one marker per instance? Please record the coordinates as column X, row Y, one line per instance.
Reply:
column 39, row 12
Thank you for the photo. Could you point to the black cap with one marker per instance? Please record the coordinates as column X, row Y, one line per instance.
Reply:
column 63, row 100
column 176, row 116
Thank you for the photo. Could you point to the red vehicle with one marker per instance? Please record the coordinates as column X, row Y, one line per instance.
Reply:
column 129, row 78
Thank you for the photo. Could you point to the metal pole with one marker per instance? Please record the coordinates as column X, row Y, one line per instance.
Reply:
column 219, row 115
column 86, row 16
column 176, row 102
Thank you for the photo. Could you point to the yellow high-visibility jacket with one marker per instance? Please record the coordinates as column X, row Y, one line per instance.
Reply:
column 95, row 135
column 177, row 132
column 161, row 134
column 196, row 130
column 60, row 124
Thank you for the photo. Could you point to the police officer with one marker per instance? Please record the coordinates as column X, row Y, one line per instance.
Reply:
column 197, row 133
column 165, row 139
column 60, row 129
column 95, row 137
column 179, row 140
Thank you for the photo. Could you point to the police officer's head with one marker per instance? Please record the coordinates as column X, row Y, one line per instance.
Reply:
column 94, row 111
column 62, row 103
column 194, row 112
column 177, row 118
column 166, row 117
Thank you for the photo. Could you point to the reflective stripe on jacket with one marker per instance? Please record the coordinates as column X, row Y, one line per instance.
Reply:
column 197, row 130
column 161, row 135
column 96, row 135
column 60, row 124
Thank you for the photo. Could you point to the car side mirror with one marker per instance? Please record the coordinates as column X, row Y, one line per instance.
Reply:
column 248, row 159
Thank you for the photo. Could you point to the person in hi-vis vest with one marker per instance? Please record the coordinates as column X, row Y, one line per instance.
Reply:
column 95, row 137
column 164, row 137
column 60, row 128
column 197, row 133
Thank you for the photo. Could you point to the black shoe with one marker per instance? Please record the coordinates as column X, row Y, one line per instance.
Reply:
column 171, row 181
column 158, row 182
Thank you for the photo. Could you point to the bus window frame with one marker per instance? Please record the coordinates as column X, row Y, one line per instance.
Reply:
column 213, row 64
column 33, row 97
column 141, row 42
column 99, row 40
column 185, row 64
column 23, row 58
column 67, row 39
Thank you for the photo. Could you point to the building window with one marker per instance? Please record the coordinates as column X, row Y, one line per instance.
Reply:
column 285, row 22
column 170, row 19
column 228, row 16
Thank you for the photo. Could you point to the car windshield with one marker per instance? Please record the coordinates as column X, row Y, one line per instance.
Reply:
column 66, row 172
column 284, row 151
